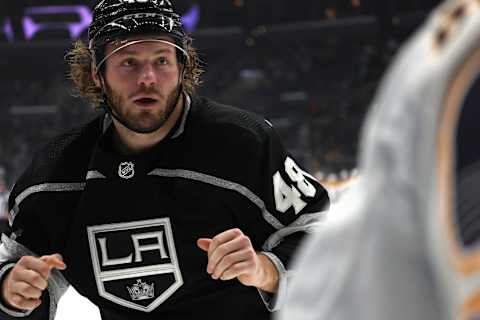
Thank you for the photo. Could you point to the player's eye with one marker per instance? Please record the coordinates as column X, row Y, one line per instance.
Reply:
column 129, row 62
column 162, row 61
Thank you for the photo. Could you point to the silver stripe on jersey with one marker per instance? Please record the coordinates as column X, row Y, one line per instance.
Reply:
column 107, row 121
column 192, row 175
column 181, row 127
column 303, row 223
column 45, row 187
column 280, row 295
column 95, row 175
column 57, row 284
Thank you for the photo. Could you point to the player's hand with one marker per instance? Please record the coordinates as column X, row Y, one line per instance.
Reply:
column 24, row 284
column 231, row 255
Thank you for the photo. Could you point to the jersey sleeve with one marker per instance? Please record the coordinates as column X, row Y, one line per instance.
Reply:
column 295, row 202
column 10, row 252
column 26, row 236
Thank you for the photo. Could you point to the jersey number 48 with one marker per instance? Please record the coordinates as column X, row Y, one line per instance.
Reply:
column 286, row 195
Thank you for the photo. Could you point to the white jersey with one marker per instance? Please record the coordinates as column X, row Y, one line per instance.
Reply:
column 403, row 242
column 3, row 204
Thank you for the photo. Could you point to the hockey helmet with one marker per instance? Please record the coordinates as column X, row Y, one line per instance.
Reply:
column 117, row 20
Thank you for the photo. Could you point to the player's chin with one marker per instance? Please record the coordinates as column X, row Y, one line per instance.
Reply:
column 149, row 125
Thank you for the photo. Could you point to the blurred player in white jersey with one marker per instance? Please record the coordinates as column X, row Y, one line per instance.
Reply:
column 4, row 193
column 404, row 241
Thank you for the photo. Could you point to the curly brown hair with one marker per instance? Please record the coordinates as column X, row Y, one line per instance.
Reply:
column 80, row 61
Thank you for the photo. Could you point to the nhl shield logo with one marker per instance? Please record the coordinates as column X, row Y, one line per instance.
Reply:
column 126, row 170
column 135, row 263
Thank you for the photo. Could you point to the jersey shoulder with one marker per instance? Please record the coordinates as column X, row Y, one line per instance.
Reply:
column 222, row 119
column 63, row 159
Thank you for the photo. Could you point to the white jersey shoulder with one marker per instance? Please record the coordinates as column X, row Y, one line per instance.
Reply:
column 391, row 248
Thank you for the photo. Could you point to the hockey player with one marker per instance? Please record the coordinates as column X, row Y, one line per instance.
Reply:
column 403, row 243
column 168, row 206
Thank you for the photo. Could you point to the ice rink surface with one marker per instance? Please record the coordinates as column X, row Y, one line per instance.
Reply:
column 73, row 306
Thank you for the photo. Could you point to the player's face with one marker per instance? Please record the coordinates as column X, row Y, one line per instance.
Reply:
column 142, row 82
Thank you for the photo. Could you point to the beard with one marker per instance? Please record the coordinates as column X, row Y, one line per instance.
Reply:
column 142, row 121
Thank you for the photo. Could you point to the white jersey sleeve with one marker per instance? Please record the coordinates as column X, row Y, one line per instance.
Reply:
column 393, row 247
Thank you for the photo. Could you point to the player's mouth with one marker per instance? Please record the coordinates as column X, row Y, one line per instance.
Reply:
column 146, row 102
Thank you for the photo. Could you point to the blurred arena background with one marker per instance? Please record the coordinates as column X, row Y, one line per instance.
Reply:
column 311, row 67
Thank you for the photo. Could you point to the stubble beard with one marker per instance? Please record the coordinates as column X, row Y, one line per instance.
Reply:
column 146, row 121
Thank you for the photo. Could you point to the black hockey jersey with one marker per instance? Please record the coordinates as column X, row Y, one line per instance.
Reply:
column 127, row 226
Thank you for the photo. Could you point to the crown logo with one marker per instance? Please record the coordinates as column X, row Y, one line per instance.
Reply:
column 141, row 290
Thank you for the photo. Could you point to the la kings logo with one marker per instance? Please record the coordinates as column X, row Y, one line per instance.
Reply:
column 135, row 263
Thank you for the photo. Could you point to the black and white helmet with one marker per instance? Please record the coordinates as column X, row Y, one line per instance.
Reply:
column 117, row 20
